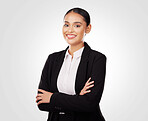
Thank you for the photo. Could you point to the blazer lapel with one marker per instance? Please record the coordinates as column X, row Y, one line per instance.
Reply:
column 81, row 72
column 81, row 76
column 56, row 69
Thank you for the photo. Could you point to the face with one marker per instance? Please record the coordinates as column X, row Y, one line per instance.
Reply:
column 74, row 28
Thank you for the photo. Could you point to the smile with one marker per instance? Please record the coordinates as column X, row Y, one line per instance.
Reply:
column 70, row 36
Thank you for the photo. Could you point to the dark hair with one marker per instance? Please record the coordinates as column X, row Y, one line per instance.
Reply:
column 82, row 12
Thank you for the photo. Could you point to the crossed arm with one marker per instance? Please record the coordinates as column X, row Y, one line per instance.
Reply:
column 45, row 96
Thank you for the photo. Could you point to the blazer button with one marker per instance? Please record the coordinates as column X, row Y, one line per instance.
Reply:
column 58, row 108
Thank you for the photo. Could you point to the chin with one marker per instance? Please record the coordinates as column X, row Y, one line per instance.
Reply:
column 70, row 41
column 73, row 42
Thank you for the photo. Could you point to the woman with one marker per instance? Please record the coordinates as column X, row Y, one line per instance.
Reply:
column 72, row 80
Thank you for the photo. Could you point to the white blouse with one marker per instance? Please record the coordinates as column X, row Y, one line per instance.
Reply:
column 67, row 75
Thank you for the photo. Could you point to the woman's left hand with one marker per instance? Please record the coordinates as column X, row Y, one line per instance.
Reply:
column 87, row 86
column 43, row 98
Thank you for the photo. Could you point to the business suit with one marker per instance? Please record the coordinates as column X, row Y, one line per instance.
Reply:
column 76, row 107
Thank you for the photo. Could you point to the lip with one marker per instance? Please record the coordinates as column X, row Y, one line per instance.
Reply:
column 70, row 36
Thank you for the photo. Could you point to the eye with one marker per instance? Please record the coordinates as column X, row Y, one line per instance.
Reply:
column 66, row 25
column 77, row 25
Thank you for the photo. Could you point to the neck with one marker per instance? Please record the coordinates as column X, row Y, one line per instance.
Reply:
column 73, row 48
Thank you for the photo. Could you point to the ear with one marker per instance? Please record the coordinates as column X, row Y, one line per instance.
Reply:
column 88, row 28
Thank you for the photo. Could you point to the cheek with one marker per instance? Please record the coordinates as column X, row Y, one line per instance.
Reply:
column 63, row 30
column 81, row 32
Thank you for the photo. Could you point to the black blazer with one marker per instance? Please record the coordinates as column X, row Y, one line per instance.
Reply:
column 81, row 108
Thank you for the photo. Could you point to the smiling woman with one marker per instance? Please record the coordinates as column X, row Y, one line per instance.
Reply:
column 72, row 80
column 75, row 27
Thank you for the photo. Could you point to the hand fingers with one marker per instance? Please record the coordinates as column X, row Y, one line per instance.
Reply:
column 90, row 83
column 86, row 91
column 41, row 90
column 89, row 86
column 39, row 102
column 39, row 95
column 88, row 79
column 38, row 98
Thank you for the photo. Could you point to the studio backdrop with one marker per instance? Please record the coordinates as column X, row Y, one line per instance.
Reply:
column 30, row 30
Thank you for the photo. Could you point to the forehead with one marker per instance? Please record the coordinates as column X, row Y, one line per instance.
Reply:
column 74, row 17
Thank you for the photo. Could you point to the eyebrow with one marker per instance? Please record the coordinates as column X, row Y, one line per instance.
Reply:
column 74, row 22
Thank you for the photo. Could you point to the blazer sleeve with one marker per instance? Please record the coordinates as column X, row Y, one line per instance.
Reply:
column 83, row 103
column 45, row 85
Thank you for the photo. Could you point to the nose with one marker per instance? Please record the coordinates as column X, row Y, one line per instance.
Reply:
column 70, row 29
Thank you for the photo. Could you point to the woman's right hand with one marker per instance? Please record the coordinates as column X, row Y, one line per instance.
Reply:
column 86, row 87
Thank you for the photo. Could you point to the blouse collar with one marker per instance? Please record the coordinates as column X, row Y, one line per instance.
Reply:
column 76, row 54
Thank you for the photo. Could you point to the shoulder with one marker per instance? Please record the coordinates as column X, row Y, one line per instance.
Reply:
column 97, row 55
column 54, row 55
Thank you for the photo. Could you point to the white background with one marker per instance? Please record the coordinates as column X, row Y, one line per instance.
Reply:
column 32, row 29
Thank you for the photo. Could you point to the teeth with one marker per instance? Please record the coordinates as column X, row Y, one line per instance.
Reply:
column 71, row 35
